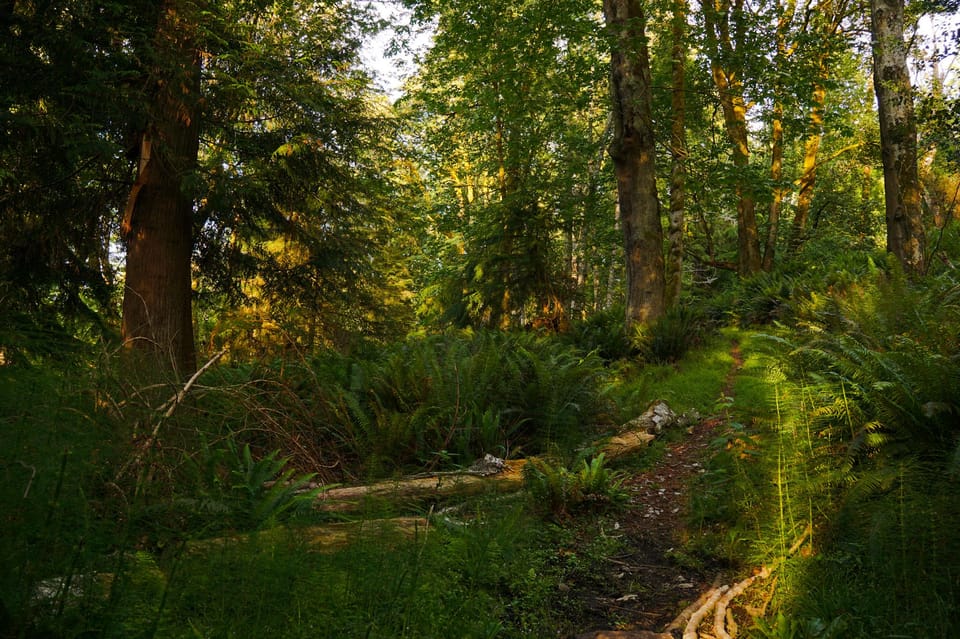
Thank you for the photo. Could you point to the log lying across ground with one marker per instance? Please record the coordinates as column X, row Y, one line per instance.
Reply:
column 490, row 474
column 325, row 537
column 421, row 488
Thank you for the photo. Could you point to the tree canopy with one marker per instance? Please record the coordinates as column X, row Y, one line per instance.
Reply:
column 316, row 211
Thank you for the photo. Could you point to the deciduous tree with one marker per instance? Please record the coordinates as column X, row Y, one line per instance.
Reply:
column 633, row 150
column 898, row 135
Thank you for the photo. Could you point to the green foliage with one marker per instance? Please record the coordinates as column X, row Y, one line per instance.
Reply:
column 560, row 491
column 512, row 163
column 669, row 338
column 456, row 397
column 264, row 489
column 602, row 332
column 891, row 378
column 121, row 558
column 846, row 426
column 694, row 383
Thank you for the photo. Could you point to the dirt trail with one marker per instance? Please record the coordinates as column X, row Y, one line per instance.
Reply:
column 644, row 588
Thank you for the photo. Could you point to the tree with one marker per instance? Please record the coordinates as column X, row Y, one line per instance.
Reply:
column 678, row 153
column 726, row 30
column 65, row 96
column 301, row 224
column 828, row 33
column 898, row 135
column 506, row 117
column 633, row 150
column 158, row 219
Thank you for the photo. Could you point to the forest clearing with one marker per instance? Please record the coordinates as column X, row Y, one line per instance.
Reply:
column 606, row 319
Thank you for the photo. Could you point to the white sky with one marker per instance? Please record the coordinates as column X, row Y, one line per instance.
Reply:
column 390, row 71
column 941, row 33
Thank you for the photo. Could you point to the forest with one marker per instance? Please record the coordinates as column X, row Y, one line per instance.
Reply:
column 600, row 319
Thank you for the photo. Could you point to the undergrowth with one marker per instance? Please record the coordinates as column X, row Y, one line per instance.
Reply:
column 843, row 436
column 129, row 510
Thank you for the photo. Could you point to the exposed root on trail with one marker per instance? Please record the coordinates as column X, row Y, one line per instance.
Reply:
column 718, row 600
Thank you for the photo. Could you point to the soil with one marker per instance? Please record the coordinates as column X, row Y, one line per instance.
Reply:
column 642, row 589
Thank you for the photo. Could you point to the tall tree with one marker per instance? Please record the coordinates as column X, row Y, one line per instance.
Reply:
column 727, row 27
column 158, row 219
column 508, row 114
column 678, row 152
column 296, row 166
column 65, row 95
column 633, row 150
column 898, row 135
column 784, row 17
column 827, row 36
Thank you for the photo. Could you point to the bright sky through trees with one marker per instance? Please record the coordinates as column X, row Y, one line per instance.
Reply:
column 391, row 54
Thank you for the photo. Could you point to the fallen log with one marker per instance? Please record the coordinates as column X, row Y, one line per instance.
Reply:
column 636, row 434
column 324, row 537
column 626, row 443
column 419, row 489
column 490, row 474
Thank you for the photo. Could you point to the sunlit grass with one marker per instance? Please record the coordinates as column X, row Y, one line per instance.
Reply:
column 695, row 383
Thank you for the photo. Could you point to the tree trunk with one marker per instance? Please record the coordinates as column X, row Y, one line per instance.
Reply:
column 832, row 14
column 727, row 76
column 898, row 135
column 678, row 155
column 808, row 174
column 158, row 220
column 632, row 151
column 776, row 147
column 776, row 176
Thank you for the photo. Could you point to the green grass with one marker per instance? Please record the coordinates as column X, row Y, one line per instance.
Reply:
column 693, row 383
column 854, row 434
column 92, row 552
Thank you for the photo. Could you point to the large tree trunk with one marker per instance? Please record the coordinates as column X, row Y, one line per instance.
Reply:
column 678, row 155
column 722, row 49
column 898, row 135
column 632, row 151
column 158, row 220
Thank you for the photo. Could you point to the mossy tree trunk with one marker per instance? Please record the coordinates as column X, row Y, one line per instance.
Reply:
column 678, row 154
column 633, row 152
column 898, row 135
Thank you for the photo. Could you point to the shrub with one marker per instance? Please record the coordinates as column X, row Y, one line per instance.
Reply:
column 668, row 339
column 604, row 334
column 560, row 491
column 454, row 397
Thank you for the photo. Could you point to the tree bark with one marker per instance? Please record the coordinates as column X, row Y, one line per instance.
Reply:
column 832, row 15
column 776, row 146
column 898, row 135
column 158, row 220
column 776, row 176
column 728, row 78
column 633, row 153
column 808, row 174
column 678, row 155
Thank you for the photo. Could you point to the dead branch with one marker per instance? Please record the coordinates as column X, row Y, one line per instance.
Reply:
column 690, row 632
column 166, row 411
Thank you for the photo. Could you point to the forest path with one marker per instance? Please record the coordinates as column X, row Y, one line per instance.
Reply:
column 643, row 588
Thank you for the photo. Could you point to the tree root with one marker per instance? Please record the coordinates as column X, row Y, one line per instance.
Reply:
column 718, row 599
